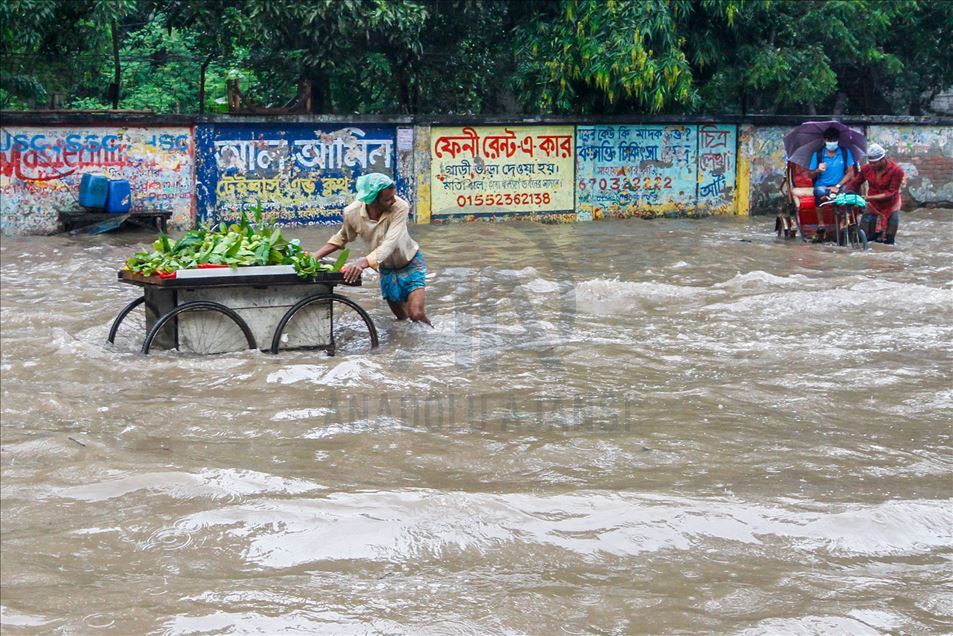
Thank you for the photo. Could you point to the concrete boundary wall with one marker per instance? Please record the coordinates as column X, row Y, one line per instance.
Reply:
column 303, row 174
column 41, row 168
column 551, row 169
column 925, row 152
column 926, row 155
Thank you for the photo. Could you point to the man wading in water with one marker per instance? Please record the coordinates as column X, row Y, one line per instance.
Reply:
column 379, row 217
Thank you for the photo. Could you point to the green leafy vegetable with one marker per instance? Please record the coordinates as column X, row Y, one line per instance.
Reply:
column 241, row 244
column 342, row 259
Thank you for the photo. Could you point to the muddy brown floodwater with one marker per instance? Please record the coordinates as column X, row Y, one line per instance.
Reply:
column 668, row 426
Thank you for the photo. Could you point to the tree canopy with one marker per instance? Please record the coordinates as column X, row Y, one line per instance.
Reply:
column 479, row 56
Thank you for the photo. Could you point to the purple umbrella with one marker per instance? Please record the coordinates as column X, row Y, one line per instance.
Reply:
column 801, row 143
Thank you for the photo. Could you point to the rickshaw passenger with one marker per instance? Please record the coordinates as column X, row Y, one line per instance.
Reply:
column 831, row 167
column 884, row 179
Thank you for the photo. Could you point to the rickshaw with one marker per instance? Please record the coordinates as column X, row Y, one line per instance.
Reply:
column 836, row 220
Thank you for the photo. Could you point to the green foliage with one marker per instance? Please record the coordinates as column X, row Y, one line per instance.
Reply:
column 606, row 56
column 796, row 56
column 38, row 56
column 922, row 41
column 478, row 56
column 237, row 245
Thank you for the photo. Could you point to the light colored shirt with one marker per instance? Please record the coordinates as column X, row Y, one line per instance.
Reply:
column 387, row 237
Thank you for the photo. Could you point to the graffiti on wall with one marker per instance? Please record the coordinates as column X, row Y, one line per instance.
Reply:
column 716, row 168
column 763, row 149
column 40, row 171
column 501, row 172
column 926, row 155
column 300, row 174
column 648, row 170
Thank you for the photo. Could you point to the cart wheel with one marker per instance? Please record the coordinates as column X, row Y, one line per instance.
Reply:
column 205, row 327
column 326, row 321
column 130, row 325
column 111, row 338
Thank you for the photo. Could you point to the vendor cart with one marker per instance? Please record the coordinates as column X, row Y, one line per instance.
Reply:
column 221, row 310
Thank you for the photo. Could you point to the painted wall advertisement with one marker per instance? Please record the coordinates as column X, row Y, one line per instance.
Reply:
column 501, row 171
column 926, row 155
column 762, row 148
column 300, row 174
column 41, row 169
column 649, row 170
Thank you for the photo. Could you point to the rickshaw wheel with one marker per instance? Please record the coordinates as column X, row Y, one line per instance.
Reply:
column 326, row 318
column 211, row 333
column 858, row 238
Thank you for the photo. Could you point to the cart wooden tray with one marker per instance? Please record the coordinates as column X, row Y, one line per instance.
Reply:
column 233, row 280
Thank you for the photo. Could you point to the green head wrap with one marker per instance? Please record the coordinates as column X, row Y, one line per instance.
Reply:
column 369, row 185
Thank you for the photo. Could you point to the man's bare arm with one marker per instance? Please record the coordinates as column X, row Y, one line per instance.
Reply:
column 325, row 250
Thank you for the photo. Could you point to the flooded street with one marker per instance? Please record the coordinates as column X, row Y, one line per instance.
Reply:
column 667, row 426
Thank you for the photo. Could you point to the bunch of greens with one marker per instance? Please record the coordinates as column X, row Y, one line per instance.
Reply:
column 243, row 243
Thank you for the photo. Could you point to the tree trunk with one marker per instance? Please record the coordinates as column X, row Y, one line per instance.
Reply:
column 320, row 93
column 840, row 102
column 117, row 72
column 866, row 93
column 205, row 64
column 403, row 85
column 415, row 90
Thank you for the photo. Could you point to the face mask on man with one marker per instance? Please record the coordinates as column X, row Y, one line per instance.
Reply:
column 830, row 145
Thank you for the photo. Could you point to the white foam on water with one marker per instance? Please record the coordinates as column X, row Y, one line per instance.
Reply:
column 295, row 622
column 212, row 484
column 868, row 296
column 938, row 401
column 409, row 525
column 351, row 372
column 516, row 273
column 360, row 427
column 939, row 603
column 878, row 618
column 456, row 273
column 542, row 286
column 810, row 626
column 10, row 618
column 93, row 531
column 758, row 279
column 602, row 296
column 300, row 414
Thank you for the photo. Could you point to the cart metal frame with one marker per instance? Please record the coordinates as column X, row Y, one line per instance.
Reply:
column 166, row 299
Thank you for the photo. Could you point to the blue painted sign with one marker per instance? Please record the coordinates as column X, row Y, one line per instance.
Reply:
column 653, row 169
column 303, row 174
column 717, row 150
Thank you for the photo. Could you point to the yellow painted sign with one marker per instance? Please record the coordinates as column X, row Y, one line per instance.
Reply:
column 501, row 171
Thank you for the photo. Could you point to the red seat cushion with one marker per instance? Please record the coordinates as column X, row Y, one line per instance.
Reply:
column 802, row 177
